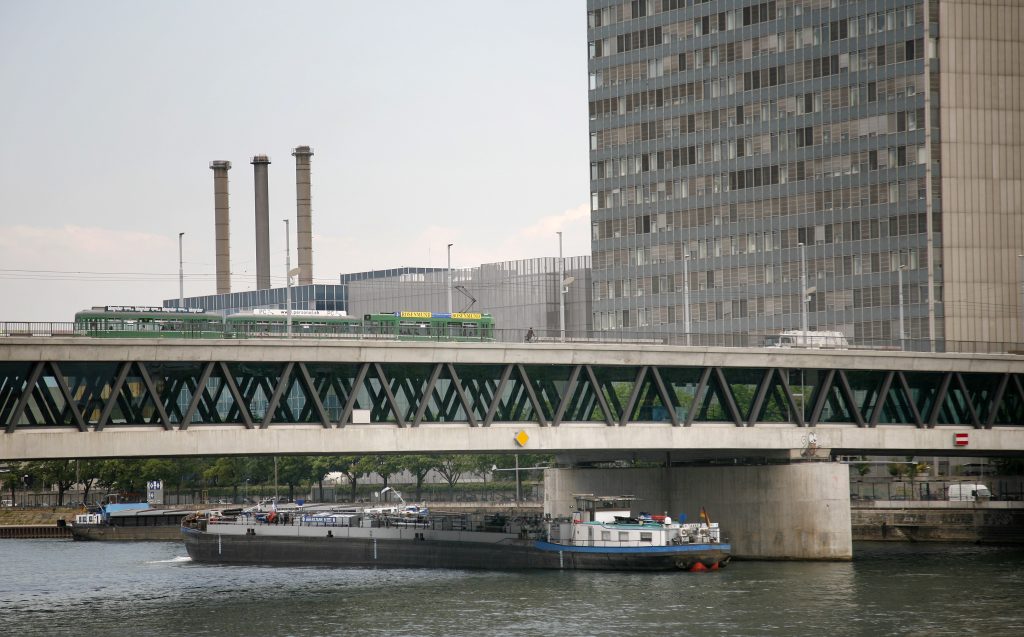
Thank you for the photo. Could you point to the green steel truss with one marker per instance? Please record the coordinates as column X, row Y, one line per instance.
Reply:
column 91, row 396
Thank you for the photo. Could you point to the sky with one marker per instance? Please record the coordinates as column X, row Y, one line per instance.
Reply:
column 454, row 121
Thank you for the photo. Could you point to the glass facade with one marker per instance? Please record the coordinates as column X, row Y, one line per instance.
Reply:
column 744, row 145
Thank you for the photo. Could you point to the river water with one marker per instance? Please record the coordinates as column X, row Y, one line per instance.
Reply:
column 60, row 587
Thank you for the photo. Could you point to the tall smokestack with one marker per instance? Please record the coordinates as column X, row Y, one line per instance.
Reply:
column 262, row 187
column 221, row 224
column 304, row 213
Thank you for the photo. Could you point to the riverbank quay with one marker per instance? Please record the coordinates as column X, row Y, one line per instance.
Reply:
column 995, row 522
column 18, row 523
column 34, row 531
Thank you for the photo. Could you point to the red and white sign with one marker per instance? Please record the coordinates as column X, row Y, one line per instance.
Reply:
column 960, row 440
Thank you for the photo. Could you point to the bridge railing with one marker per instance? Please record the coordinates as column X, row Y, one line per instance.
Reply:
column 15, row 329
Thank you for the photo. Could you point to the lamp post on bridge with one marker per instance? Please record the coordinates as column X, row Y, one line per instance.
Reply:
column 561, row 299
column 181, row 274
column 450, row 278
column 899, row 278
column 686, row 294
column 803, row 294
column 288, row 278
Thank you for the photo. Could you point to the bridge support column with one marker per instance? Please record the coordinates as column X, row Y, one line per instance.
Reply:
column 785, row 512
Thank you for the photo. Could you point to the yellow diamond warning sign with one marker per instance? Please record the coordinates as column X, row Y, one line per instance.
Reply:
column 522, row 438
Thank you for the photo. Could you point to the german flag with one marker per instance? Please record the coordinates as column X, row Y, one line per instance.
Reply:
column 704, row 517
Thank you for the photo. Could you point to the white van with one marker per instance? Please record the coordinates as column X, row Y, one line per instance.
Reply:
column 965, row 492
column 800, row 338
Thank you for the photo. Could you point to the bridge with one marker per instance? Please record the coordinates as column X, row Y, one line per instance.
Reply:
column 81, row 398
column 778, row 411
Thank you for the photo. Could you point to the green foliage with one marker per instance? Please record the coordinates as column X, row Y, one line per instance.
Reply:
column 354, row 468
column 11, row 481
column 419, row 466
column 386, row 466
column 293, row 471
column 898, row 470
column 226, row 471
column 452, row 467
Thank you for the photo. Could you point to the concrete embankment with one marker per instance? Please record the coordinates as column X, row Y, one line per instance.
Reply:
column 982, row 522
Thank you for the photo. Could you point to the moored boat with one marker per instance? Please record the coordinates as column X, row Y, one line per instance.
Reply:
column 129, row 521
column 600, row 535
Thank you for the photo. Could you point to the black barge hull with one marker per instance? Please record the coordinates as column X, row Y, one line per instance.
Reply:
column 511, row 554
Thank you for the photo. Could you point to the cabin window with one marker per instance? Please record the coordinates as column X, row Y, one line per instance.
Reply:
column 606, row 536
column 623, row 536
column 645, row 536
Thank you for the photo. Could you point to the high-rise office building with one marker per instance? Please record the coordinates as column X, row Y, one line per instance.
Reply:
column 738, row 147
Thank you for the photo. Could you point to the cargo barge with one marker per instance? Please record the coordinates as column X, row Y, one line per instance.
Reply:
column 600, row 535
column 133, row 521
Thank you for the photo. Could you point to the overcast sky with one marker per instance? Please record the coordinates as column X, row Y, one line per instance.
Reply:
column 458, row 122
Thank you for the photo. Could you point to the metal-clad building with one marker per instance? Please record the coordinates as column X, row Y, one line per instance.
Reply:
column 869, row 147
column 518, row 294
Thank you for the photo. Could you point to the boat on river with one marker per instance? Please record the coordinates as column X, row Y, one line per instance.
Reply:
column 129, row 521
column 601, row 534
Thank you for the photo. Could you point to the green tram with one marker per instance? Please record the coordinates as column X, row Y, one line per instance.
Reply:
column 133, row 321
column 314, row 323
column 430, row 326
column 159, row 322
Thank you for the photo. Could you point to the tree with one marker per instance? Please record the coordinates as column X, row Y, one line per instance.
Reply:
column 386, row 466
column 897, row 469
column 320, row 466
column 354, row 468
column 227, row 471
column 482, row 464
column 12, row 480
column 87, row 477
column 451, row 469
column 120, row 475
column 419, row 467
column 59, row 473
column 293, row 471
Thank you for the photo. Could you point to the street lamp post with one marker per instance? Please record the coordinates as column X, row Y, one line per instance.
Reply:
column 450, row 277
column 517, row 469
column 288, row 278
column 899, row 282
column 181, row 274
column 561, row 290
column 803, row 294
column 686, row 295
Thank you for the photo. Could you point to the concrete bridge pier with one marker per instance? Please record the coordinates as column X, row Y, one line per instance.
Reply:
column 795, row 511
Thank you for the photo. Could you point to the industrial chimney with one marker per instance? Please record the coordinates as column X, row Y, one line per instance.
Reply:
column 304, row 214
column 259, row 166
column 221, row 224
